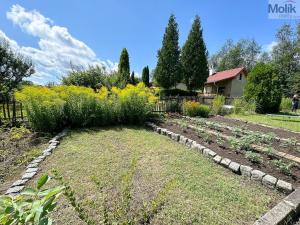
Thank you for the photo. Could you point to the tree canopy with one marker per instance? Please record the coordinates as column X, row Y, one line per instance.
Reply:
column 168, row 69
column 145, row 76
column 124, row 66
column 194, row 58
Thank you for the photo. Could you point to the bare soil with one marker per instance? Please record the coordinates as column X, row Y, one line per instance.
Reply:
column 232, row 122
column 239, row 157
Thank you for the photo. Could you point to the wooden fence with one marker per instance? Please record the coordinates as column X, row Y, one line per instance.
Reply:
column 11, row 111
column 169, row 103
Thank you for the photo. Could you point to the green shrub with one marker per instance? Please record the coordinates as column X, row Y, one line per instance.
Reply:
column 241, row 106
column 192, row 108
column 50, row 109
column 285, row 168
column 174, row 106
column 263, row 87
column 286, row 104
column 217, row 104
column 32, row 206
column 254, row 157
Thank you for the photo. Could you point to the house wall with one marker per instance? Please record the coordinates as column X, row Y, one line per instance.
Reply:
column 237, row 86
column 212, row 89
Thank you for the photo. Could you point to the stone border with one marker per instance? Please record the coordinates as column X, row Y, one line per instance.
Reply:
column 285, row 212
column 33, row 167
column 247, row 171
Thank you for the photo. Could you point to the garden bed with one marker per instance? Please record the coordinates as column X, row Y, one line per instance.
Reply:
column 97, row 163
column 18, row 146
column 225, row 150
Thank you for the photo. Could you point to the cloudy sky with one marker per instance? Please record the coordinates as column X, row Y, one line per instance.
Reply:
column 57, row 33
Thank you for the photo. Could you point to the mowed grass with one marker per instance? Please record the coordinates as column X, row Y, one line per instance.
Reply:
column 94, row 161
column 281, row 122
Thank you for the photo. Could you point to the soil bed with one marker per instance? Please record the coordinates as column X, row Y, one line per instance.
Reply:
column 239, row 157
column 232, row 122
column 18, row 146
column 276, row 144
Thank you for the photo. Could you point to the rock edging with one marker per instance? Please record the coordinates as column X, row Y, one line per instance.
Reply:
column 33, row 167
column 247, row 171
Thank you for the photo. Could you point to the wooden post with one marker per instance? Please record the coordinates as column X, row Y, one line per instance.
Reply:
column 3, row 108
column 21, row 108
column 7, row 107
column 14, row 115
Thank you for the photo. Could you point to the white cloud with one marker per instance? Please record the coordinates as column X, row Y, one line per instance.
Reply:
column 57, row 47
column 269, row 47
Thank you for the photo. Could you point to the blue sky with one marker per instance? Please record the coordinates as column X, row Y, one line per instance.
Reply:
column 94, row 32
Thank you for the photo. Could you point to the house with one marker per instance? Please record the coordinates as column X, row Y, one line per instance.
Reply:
column 229, row 83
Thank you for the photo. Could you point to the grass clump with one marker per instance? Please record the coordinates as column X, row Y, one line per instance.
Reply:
column 254, row 157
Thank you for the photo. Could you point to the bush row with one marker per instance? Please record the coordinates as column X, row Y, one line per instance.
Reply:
column 50, row 109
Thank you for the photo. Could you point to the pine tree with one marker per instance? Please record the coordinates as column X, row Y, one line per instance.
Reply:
column 194, row 58
column 132, row 78
column 168, row 69
column 124, row 67
column 145, row 76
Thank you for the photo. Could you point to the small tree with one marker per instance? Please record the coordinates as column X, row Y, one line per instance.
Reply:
column 194, row 58
column 168, row 69
column 124, row 67
column 132, row 78
column 145, row 76
column 263, row 87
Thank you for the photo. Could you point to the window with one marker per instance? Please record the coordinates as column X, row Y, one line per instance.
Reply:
column 221, row 90
column 241, row 76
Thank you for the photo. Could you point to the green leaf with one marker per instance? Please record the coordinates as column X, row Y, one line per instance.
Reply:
column 29, row 191
column 43, row 180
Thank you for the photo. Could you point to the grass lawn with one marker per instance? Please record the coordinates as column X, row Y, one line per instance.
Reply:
column 188, row 188
column 281, row 122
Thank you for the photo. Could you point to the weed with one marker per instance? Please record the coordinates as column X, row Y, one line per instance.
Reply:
column 285, row 168
column 254, row 157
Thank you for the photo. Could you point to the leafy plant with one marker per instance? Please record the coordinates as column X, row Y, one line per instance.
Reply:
column 289, row 142
column 217, row 104
column 270, row 151
column 193, row 108
column 32, row 206
column 237, row 132
column 285, row 168
column 254, row 157
column 220, row 141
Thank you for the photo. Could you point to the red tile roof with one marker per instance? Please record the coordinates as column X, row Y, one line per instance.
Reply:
column 223, row 75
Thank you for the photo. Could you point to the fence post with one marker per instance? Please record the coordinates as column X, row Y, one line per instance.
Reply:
column 21, row 108
column 14, row 115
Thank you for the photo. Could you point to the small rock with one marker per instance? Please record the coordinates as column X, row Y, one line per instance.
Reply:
column 14, row 190
column 217, row 159
column 225, row 162
column 235, row 167
column 32, row 165
column 209, row 152
column 182, row 140
column 30, row 170
column 47, row 153
column 200, row 148
column 28, row 175
column 19, row 182
column 163, row 131
column 269, row 181
column 284, row 186
column 189, row 142
column 257, row 175
column 158, row 130
column 194, row 145
column 246, row 170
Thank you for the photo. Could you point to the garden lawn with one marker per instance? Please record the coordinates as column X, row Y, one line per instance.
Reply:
column 281, row 122
column 189, row 188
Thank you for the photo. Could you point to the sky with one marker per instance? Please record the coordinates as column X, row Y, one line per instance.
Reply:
column 56, row 33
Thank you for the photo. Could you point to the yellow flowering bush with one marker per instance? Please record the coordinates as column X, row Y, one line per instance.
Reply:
column 49, row 109
column 193, row 108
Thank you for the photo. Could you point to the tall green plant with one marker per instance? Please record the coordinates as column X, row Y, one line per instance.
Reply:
column 217, row 104
column 32, row 206
column 168, row 69
column 124, row 67
column 145, row 76
column 194, row 58
column 263, row 87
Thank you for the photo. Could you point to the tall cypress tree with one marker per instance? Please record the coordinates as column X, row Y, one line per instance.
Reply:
column 124, row 67
column 194, row 58
column 145, row 76
column 168, row 69
column 132, row 78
